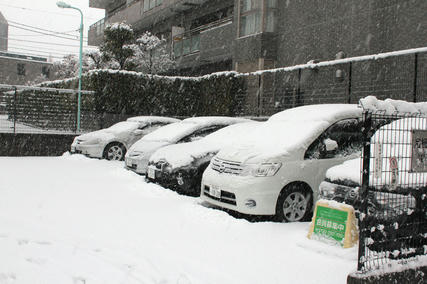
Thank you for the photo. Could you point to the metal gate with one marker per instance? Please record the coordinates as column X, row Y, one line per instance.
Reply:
column 393, row 216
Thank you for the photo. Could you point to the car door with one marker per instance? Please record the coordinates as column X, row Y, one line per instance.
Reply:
column 340, row 142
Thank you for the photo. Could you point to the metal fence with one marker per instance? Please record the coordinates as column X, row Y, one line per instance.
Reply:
column 393, row 218
column 397, row 75
column 25, row 109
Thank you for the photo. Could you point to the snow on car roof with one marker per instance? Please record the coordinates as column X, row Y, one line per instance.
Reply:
column 390, row 106
column 215, row 120
column 326, row 112
column 273, row 138
column 176, row 131
column 396, row 141
column 288, row 131
column 151, row 119
column 179, row 155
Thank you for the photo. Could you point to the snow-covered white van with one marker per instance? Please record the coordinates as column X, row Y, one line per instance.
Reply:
column 277, row 169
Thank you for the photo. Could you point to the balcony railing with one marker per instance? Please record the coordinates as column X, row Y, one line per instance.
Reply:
column 98, row 27
column 189, row 41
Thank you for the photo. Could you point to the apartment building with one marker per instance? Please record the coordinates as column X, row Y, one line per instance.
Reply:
column 205, row 36
column 4, row 30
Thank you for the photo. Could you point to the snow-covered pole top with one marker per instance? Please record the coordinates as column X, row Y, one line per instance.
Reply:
column 390, row 107
column 343, row 61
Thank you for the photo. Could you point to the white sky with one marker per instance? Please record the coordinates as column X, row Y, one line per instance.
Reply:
column 46, row 15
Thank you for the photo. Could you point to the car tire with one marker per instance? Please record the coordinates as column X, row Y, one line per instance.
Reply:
column 115, row 151
column 294, row 203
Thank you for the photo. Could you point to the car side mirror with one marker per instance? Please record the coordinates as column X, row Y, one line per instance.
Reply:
column 330, row 145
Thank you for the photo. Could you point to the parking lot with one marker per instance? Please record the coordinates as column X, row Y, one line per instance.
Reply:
column 71, row 219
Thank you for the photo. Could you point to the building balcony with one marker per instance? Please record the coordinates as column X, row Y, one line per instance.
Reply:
column 206, row 44
column 101, row 4
column 136, row 14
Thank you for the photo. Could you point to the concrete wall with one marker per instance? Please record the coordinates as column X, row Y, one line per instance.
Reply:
column 34, row 144
column 319, row 29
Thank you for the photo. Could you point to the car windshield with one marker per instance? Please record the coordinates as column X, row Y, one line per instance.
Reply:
column 283, row 135
column 171, row 133
column 123, row 126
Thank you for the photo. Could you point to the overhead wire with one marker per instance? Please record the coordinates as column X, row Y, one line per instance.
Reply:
column 44, row 30
column 44, row 11
column 47, row 52
column 48, row 43
column 43, row 33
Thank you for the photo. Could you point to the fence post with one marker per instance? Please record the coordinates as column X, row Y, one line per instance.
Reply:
column 14, row 111
column 415, row 77
column 77, row 114
column 350, row 68
column 298, row 100
column 367, row 133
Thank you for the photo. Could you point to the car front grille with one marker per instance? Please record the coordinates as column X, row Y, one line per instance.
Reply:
column 228, row 167
column 226, row 197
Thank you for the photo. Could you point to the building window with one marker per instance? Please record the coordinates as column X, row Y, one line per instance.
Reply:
column 150, row 4
column 186, row 45
column 21, row 69
column 45, row 71
column 257, row 16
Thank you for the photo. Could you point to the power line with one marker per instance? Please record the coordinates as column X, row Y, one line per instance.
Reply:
column 43, row 33
column 44, row 11
column 47, row 43
column 47, row 52
column 32, row 46
column 45, row 30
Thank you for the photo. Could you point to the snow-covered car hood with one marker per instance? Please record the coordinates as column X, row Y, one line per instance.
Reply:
column 145, row 147
column 102, row 135
column 180, row 155
column 347, row 171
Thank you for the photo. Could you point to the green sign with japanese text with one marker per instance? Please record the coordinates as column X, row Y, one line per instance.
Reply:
column 330, row 223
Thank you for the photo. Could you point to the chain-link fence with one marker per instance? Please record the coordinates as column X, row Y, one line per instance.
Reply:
column 397, row 75
column 393, row 218
column 25, row 109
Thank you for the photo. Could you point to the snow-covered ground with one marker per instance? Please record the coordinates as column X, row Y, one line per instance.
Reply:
column 76, row 220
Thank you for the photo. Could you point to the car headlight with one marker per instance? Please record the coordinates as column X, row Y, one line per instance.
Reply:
column 93, row 141
column 135, row 155
column 261, row 170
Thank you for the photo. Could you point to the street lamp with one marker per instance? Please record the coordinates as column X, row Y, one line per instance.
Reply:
column 64, row 5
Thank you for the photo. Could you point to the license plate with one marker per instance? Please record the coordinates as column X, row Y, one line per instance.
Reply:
column 215, row 192
column 73, row 148
column 151, row 173
column 129, row 162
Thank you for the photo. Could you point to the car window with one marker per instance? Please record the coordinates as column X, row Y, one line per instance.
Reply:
column 151, row 127
column 345, row 134
column 200, row 133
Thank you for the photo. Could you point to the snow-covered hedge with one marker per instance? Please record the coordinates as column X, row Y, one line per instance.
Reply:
column 136, row 93
column 120, row 94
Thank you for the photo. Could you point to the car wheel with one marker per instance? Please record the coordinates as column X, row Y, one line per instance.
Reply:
column 294, row 204
column 115, row 151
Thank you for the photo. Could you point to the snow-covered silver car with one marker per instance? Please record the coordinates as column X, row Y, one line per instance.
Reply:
column 277, row 169
column 112, row 143
column 180, row 166
column 190, row 129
